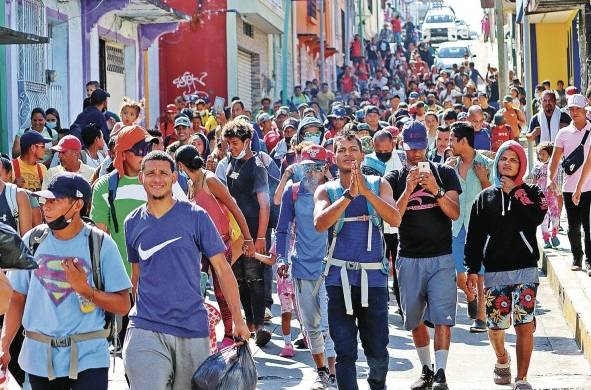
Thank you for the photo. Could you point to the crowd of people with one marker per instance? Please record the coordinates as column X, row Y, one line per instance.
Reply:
column 407, row 173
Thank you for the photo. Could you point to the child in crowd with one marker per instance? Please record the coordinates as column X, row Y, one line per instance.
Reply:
column 500, row 133
column 130, row 114
column 286, row 294
column 540, row 175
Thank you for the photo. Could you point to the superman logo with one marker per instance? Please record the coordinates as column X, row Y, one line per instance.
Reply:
column 52, row 277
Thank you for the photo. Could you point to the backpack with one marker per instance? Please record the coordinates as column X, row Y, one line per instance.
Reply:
column 39, row 233
column 16, row 167
column 113, row 178
column 10, row 191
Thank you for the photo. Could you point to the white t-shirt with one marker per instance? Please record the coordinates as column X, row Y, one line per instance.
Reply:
column 568, row 138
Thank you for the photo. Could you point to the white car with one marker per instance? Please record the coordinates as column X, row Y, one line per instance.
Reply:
column 463, row 30
column 450, row 53
column 439, row 26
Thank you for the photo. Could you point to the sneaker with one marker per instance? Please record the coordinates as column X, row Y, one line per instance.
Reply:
column 425, row 381
column 287, row 351
column 473, row 308
column 522, row 385
column 332, row 382
column 502, row 372
column 301, row 343
column 439, row 382
column 547, row 244
column 268, row 315
column 478, row 326
column 263, row 336
column 322, row 380
column 576, row 265
column 226, row 342
column 555, row 242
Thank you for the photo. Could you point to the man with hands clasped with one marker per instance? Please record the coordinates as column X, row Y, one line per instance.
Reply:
column 427, row 197
column 353, row 209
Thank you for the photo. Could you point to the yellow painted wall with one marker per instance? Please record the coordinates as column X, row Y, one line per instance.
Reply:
column 552, row 40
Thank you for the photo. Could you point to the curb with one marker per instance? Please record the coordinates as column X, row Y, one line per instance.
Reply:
column 572, row 294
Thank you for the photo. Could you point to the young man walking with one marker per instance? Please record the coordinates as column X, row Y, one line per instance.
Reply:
column 502, row 237
column 427, row 197
column 354, row 207
column 59, row 304
column 168, row 334
column 472, row 169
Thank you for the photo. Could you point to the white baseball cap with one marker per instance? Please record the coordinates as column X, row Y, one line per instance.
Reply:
column 577, row 100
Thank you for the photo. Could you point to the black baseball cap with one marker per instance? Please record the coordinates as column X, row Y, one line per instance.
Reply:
column 67, row 185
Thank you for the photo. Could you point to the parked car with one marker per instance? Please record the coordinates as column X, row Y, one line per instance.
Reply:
column 463, row 30
column 473, row 34
column 450, row 53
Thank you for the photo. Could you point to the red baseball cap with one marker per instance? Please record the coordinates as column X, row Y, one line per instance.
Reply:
column 69, row 142
column 313, row 153
column 571, row 91
column 170, row 108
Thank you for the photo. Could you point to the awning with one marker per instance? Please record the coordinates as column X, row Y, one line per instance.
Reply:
column 9, row 36
column 538, row 6
column 552, row 17
column 150, row 11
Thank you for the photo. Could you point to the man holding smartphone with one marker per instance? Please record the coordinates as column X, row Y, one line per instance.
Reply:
column 427, row 196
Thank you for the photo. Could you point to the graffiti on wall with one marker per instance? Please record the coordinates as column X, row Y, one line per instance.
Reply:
column 190, row 84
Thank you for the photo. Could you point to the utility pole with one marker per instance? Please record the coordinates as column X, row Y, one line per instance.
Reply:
column 527, row 83
column 360, row 10
column 347, row 29
column 321, row 41
column 499, row 24
column 285, row 51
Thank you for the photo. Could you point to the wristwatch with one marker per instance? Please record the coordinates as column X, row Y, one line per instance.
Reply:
column 347, row 194
column 439, row 194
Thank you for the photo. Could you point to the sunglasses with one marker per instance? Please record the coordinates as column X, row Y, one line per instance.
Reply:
column 141, row 149
column 315, row 167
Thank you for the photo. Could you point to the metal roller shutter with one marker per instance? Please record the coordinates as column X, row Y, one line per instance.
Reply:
column 245, row 78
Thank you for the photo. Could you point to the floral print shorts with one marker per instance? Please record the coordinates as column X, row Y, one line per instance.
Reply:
column 516, row 299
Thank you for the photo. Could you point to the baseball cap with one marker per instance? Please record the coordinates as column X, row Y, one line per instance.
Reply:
column 372, row 110
column 312, row 154
column 69, row 142
column 309, row 121
column 263, row 117
column 507, row 98
column 32, row 137
column 67, row 185
column 577, row 100
column 182, row 121
column 414, row 135
column 170, row 108
column 569, row 91
column 127, row 138
column 413, row 95
column 462, row 116
column 199, row 101
column 338, row 112
column 373, row 165
column 290, row 122
column 282, row 111
column 99, row 96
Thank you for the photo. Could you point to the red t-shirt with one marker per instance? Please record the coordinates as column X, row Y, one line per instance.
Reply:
column 499, row 135
column 356, row 52
column 396, row 25
column 347, row 83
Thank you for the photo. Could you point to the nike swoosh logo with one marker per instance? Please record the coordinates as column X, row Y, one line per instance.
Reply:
column 146, row 254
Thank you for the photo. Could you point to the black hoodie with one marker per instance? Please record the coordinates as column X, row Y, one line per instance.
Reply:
column 502, row 230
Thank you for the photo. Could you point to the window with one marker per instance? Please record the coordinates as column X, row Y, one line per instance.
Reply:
column 247, row 30
column 312, row 9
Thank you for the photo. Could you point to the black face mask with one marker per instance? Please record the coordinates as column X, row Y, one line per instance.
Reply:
column 288, row 141
column 384, row 156
column 60, row 223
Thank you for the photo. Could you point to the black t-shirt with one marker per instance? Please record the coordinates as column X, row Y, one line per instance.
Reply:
column 425, row 230
column 490, row 111
column 246, row 178
column 564, row 119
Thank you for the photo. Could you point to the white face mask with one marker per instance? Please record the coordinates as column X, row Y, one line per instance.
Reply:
column 242, row 153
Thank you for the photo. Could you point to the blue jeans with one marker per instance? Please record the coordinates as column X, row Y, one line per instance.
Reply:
column 372, row 324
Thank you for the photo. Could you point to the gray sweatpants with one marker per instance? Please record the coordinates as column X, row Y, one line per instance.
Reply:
column 159, row 361
column 314, row 315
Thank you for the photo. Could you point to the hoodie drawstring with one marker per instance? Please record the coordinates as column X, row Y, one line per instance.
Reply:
column 503, row 203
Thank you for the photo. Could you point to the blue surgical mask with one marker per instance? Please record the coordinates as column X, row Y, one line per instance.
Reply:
column 51, row 125
column 315, row 139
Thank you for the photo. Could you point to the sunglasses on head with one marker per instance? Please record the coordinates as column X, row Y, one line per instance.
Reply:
column 315, row 167
column 142, row 148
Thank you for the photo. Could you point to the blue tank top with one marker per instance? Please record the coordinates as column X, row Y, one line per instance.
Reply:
column 5, row 211
column 351, row 245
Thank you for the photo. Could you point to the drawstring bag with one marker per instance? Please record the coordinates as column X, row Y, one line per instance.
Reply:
column 232, row 368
